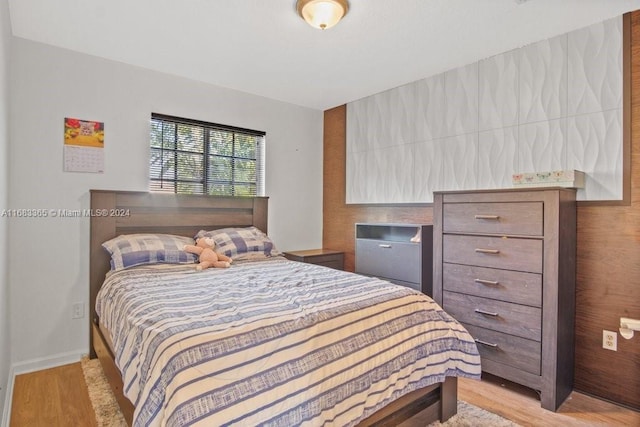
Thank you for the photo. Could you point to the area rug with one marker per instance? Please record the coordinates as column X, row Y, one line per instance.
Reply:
column 102, row 399
column 108, row 413
column 471, row 416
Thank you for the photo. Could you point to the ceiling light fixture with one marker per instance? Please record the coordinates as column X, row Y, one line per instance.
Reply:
column 322, row 14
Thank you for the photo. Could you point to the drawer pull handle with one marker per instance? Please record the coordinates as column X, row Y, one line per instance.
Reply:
column 488, row 313
column 487, row 251
column 382, row 245
column 493, row 217
column 486, row 282
column 488, row 344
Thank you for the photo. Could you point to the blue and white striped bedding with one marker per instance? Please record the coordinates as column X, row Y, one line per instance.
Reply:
column 274, row 343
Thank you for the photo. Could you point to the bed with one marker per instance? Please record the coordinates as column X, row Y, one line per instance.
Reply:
column 315, row 346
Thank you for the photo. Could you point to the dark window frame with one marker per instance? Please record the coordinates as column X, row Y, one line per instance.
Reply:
column 168, row 174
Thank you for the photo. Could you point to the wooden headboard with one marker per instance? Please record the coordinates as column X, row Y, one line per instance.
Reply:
column 126, row 212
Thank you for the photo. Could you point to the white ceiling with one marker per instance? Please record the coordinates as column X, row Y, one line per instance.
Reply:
column 263, row 47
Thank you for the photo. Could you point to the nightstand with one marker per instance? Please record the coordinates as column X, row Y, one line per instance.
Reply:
column 399, row 253
column 326, row 257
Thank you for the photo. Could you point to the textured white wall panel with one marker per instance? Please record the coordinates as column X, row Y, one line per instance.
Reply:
column 428, row 169
column 357, row 131
column 552, row 105
column 498, row 78
column 595, row 68
column 594, row 148
column 402, row 102
column 430, row 108
column 459, row 162
column 387, row 118
column 542, row 146
column 543, row 80
column 497, row 157
column 393, row 181
column 371, row 192
column 383, row 119
column 356, row 178
column 461, row 100
column 378, row 109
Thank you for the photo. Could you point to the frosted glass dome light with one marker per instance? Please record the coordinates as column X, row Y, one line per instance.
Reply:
column 322, row 14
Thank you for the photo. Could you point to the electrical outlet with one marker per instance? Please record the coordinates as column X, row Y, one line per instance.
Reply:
column 610, row 340
column 78, row 310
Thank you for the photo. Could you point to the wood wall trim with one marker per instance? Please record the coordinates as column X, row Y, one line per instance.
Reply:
column 626, row 121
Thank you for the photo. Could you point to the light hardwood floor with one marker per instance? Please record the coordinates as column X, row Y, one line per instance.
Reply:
column 51, row 398
column 522, row 405
column 58, row 397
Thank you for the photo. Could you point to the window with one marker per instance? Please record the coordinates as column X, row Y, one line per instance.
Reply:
column 193, row 157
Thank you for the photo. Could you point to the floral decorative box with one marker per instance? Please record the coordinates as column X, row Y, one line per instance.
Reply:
column 568, row 178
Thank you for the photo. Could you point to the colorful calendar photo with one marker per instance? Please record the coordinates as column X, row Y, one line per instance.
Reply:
column 83, row 145
column 83, row 132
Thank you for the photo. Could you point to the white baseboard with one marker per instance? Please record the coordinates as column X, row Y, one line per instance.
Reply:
column 47, row 362
column 8, row 399
column 32, row 366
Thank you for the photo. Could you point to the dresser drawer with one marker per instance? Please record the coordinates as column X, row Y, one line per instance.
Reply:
column 503, row 348
column 505, row 285
column 514, row 319
column 333, row 261
column 495, row 252
column 523, row 218
column 388, row 259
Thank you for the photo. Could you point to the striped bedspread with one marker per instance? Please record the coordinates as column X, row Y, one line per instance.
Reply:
column 276, row 343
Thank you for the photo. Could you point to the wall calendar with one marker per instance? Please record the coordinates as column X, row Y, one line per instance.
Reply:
column 83, row 146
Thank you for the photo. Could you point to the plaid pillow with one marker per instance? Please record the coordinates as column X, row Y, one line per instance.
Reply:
column 239, row 243
column 129, row 250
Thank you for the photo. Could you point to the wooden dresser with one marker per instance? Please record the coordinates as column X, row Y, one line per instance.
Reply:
column 504, row 266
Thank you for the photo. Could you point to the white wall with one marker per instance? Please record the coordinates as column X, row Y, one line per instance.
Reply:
column 4, row 146
column 49, row 261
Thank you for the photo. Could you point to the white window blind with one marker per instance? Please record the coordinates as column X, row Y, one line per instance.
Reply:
column 194, row 157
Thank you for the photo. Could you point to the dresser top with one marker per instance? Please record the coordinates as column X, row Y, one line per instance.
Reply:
column 510, row 189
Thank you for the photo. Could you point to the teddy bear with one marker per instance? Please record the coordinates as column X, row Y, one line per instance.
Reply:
column 206, row 255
